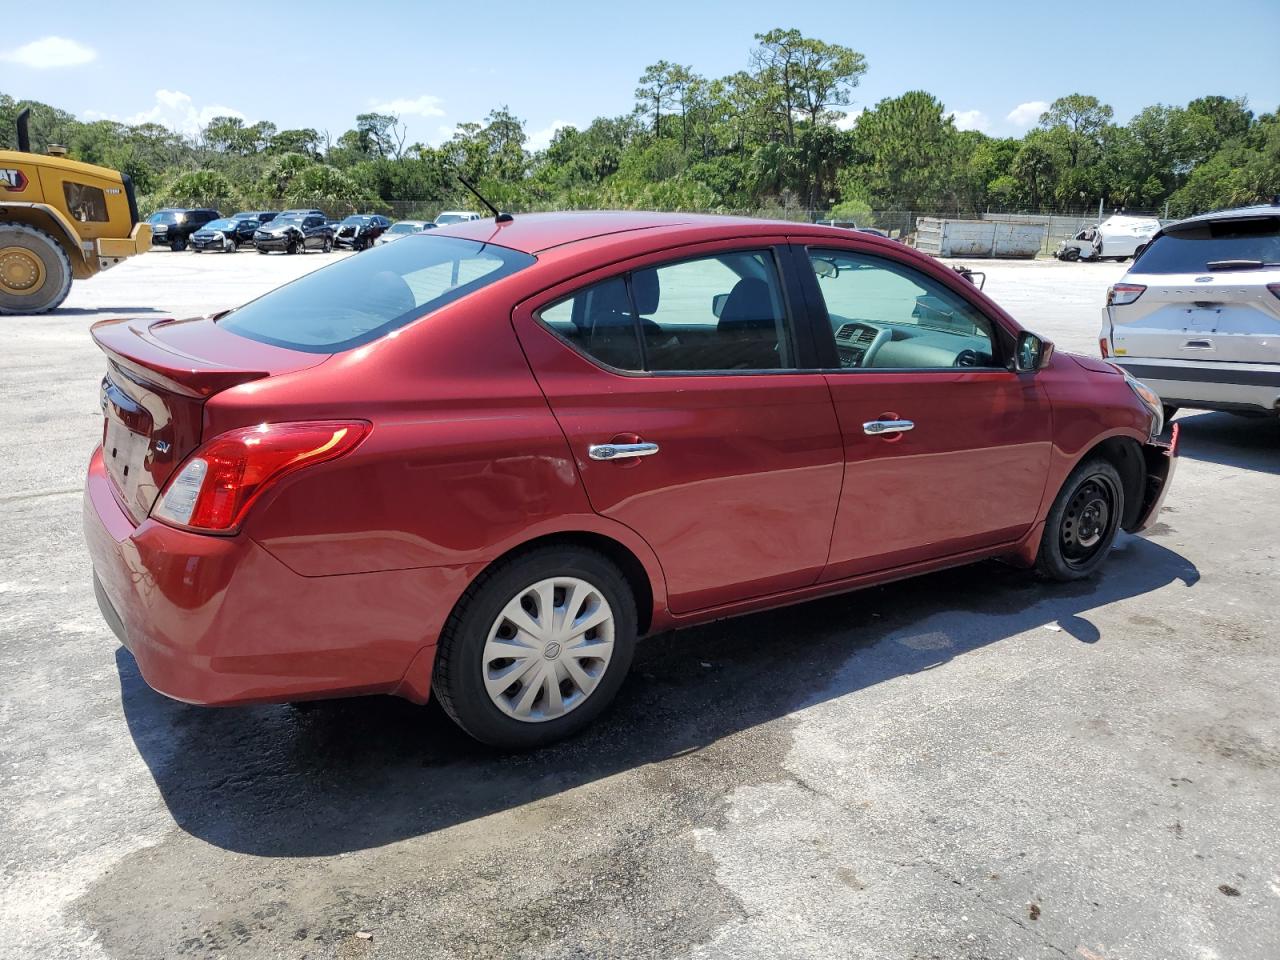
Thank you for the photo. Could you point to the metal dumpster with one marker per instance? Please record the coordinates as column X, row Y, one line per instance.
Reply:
column 978, row 238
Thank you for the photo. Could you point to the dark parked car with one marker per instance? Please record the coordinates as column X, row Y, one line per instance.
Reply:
column 172, row 227
column 295, row 234
column 360, row 230
column 226, row 234
column 262, row 216
column 537, row 442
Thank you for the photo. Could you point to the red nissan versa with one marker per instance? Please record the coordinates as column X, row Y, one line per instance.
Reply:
column 482, row 461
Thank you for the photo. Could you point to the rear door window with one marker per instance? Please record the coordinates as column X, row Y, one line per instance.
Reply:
column 722, row 313
column 1213, row 245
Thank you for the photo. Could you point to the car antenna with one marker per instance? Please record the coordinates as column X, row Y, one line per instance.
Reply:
column 498, row 216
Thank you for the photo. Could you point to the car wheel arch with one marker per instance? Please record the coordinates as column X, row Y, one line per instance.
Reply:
column 1125, row 454
column 638, row 575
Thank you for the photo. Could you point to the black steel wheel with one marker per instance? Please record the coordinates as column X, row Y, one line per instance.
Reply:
column 1083, row 522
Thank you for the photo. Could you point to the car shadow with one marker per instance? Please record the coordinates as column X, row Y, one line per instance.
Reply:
column 359, row 773
column 1250, row 443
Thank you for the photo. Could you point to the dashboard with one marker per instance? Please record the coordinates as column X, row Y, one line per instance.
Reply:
column 863, row 344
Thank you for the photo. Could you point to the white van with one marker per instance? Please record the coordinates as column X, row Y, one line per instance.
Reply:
column 1116, row 238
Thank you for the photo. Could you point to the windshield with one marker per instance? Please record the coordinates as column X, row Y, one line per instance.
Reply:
column 359, row 299
column 447, row 218
column 403, row 228
column 220, row 225
column 356, row 220
column 1206, row 246
column 163, row 216
column 245, row 216
column 282, row 222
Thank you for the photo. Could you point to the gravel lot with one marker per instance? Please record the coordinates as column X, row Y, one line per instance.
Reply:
column 969, row 765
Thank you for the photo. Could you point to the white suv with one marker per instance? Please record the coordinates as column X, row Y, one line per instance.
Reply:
column 1197, row 317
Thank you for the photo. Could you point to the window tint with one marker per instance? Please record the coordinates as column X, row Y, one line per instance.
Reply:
column 361, row 298
column 1192, row 249
column 886, row 314
column 599, row 322
column 87, row 204
column 707, row 314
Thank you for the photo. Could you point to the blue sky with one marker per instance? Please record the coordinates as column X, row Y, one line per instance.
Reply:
column 319, row 63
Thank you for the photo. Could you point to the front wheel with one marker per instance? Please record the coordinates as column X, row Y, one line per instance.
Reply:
column 537, row 647
column 177, row 246
column 1070, row 254
column 328, row 245
column 1082, row 522
column 293, row 247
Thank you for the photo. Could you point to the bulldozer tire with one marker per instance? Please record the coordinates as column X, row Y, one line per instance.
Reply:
column 35, row 273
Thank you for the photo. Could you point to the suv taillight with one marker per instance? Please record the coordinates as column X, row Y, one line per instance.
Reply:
column 1119, row 294
column 220, row 481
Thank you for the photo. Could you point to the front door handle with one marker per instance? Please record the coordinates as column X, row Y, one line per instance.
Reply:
column 620, row 451
column 876, row 428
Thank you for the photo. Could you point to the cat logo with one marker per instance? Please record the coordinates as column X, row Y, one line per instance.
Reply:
column 14, row 180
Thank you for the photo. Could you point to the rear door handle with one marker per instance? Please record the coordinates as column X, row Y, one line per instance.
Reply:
column 620, row 451
column 876, row 428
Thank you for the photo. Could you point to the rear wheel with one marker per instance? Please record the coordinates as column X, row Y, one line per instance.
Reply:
column 1082, row 522
column 35, row 272
column 537, row 647
column 177, row 246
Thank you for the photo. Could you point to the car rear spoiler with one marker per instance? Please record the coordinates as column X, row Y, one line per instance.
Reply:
column 132, row 346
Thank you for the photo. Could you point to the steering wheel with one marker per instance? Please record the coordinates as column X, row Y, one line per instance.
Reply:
column 883, row 336
column 968, row 358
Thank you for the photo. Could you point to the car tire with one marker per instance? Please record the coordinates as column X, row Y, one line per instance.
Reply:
column 1137, row 253
column 1070, row 254
column 1082, row 523
column 177, row 246
column 328, row 245
column 469, row 663
column 292, row 247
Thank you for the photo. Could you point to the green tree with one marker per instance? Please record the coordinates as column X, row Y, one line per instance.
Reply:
column 1078, row 121
column 906, row 148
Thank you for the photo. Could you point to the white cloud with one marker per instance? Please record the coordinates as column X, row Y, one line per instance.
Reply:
column 423, row 106
column 541, row 139
column 50, row 52
column 849, row 120
column 1027, row 114
column 175, row 110
column 971, row 120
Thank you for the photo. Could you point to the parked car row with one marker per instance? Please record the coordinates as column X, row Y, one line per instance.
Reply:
column 291, row 231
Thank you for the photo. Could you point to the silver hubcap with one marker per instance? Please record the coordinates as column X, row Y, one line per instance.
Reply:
column 548, row 649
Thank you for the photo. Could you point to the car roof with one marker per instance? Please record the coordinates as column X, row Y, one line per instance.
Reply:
column 536, row 232
column 1237, row 213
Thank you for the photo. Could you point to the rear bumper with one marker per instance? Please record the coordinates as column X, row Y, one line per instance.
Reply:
column 1209, row 385
column 1161, row 459
column 219, row 620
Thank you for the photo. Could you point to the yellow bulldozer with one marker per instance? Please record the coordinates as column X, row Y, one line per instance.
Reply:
column 60, row 220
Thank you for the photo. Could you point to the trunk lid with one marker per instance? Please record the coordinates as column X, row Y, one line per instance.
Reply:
column 1225, row 316
column 159, row 376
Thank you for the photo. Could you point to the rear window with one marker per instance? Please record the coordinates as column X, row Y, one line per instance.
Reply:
column 1192, row 249
column 361, row 298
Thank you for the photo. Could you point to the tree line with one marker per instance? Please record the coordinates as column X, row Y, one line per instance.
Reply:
column 776, row 136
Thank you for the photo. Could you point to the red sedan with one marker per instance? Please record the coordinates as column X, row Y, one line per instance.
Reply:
column 482, row 461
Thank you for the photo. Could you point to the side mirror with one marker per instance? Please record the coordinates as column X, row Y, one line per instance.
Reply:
column 717, row 304
column 1032, row 352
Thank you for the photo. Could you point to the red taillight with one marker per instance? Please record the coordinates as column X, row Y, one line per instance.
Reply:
column 220, row 481
column 1119, row 294
column 1104, row 347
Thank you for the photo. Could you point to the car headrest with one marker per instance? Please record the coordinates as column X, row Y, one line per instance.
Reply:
column 389, row 294
column 748, row 305
column 644, row 286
